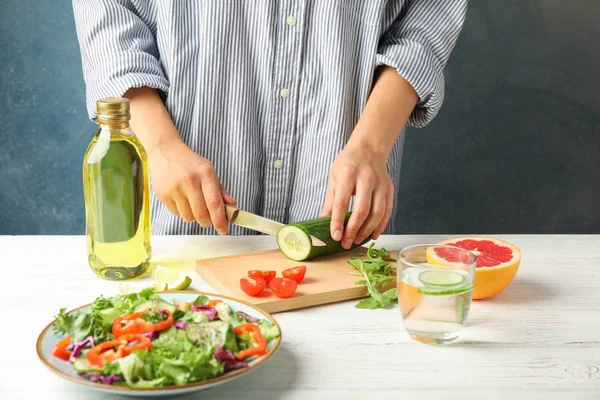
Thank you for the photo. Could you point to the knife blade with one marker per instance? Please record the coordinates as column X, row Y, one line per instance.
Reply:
column 258, row 223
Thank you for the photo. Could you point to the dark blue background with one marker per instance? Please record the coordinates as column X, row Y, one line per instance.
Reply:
column 515, row 149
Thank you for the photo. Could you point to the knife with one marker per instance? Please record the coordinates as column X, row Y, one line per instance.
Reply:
column 258, row 223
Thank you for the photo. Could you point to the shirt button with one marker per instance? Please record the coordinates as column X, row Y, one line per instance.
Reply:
column 278, row 164
column 285, row 93
column 291, row 20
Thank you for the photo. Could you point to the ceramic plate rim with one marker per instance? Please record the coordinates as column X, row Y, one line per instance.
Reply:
column 209, row 382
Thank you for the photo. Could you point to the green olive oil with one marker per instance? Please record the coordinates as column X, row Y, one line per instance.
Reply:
column 116, row 196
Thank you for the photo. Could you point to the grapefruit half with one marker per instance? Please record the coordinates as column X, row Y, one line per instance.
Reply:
column 497, row 262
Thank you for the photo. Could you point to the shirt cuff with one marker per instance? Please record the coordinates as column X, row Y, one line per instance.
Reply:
column 421, row 69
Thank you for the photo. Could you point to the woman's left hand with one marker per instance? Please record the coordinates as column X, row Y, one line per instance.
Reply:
column 360, row 171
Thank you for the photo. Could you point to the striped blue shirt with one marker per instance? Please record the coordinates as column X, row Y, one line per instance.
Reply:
column 269, row 91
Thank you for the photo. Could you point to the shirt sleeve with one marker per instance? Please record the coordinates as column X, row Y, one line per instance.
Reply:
column 418, row 44
column 118, row 50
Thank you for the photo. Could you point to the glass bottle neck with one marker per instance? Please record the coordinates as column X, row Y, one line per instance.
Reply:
column 114, row 126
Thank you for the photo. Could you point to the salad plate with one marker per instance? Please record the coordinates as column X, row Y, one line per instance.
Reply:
column 158, row 343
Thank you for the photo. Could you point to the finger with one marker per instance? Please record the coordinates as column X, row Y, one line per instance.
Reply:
column 341, row 200
column 378, row 210
column 171, row 206
column 360, row 211
column 328, row 203
column 388, row 212
column 227, row 197
column 183, row 206
column 196, row 199
column 214, row 200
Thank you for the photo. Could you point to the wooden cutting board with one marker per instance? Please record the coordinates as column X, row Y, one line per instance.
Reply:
column 328, row 279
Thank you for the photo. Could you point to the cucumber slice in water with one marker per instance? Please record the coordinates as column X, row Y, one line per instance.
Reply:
column 445, row 292
column 441, row 279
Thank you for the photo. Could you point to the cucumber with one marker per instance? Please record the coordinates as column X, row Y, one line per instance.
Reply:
column 294, row 239
column 441, row 279
column 445, row 292
column 83, row 365
column 155, row 305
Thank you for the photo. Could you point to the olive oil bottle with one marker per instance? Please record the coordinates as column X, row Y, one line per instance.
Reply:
column 116, row 196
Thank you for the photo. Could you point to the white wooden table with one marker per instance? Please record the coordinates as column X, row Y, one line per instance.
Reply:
column 539, row 339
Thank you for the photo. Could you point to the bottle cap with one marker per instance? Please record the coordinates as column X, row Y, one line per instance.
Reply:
column 113, row 111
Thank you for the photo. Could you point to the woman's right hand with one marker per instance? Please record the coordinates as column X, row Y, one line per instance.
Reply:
column 185, row 182
column 188, row 185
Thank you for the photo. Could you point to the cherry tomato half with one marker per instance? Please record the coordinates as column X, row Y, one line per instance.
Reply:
column 253, row 286
column 295, row 274
column 283, row 287
column 267, row 275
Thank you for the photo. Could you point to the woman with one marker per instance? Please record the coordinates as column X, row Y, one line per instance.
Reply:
column 295, row 107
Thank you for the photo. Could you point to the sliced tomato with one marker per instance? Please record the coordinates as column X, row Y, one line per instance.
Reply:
column 283, row 287
column 60, row 351
column 253, row 286
column 267, row 275
column 295, row 274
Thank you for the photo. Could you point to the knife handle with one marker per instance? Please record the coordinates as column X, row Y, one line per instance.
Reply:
column 231, row 212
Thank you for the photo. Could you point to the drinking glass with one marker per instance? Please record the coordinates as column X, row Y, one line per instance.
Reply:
column 435, row 289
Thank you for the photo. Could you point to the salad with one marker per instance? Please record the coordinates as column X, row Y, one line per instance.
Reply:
column 142, row 341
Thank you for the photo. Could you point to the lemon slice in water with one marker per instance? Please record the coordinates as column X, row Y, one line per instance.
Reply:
column 173, row 279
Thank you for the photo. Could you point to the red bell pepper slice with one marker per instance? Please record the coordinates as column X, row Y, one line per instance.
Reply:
column 104, row 352
column 118, row 348
column 60, row 351
column 132, row 342
column 213, row 303
column 133, row 323
column 260, row 345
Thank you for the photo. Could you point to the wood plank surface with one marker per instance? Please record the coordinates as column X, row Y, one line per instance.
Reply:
column 539, row 339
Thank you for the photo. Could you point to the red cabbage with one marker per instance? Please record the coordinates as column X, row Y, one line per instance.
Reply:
column 180, row 324
column 151, row 335
column 88, row 341
column 229, row 360
column 209, row 311
column 104, row 379
column 248, row 317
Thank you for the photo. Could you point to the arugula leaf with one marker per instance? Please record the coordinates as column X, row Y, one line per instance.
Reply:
column 178, row 314
column 368, row 303
column 391, row 294
column 377, row 273
column 153, row 317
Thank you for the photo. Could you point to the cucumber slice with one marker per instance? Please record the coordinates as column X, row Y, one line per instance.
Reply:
column 155, row 305
column 441, row 279
column 445, row 292
column 295, row 243
column 83, row 365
